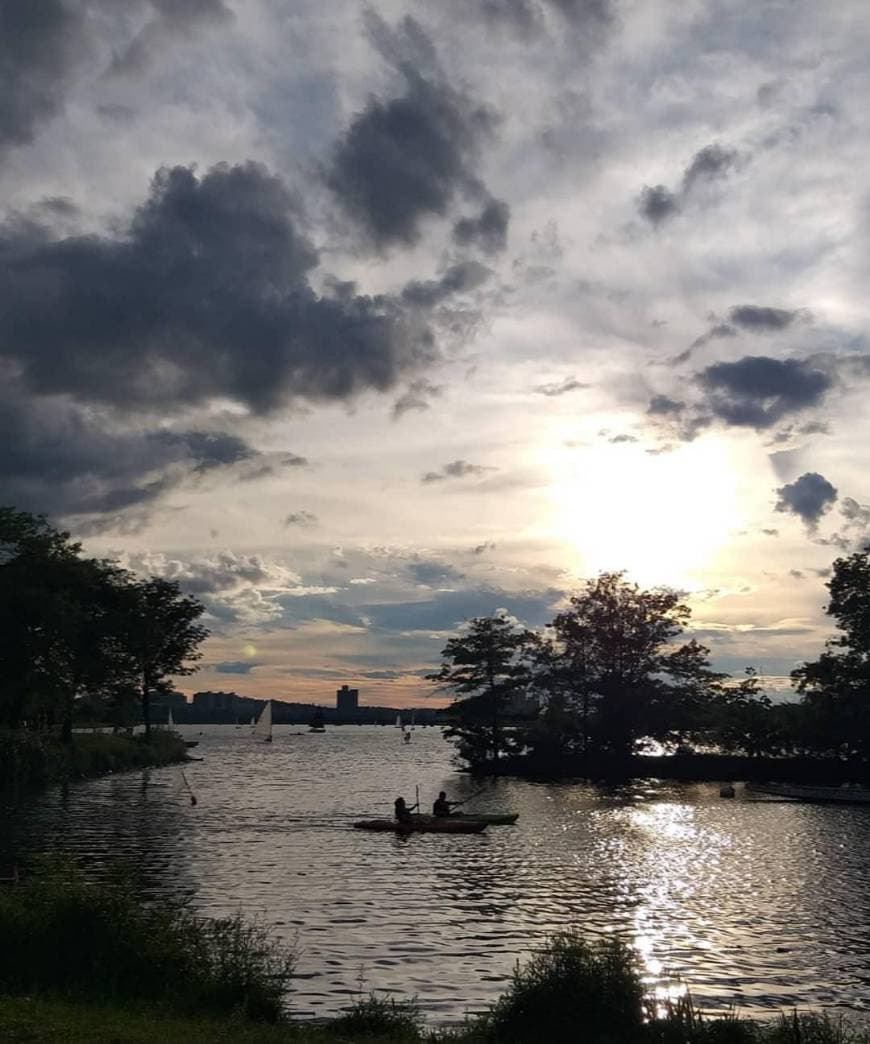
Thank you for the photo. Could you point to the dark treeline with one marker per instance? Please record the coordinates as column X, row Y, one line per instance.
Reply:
column 612, row 676
column 81, row 637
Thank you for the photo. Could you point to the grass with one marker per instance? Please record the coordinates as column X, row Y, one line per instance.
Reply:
column 33, row 759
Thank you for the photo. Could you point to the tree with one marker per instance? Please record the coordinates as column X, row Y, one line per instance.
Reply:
column 485, row 668
column 836, row 687
column 160, row 635
column 620, row 668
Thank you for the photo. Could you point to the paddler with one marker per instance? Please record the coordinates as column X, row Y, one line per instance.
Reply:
column 442, row 806
column 403, row 813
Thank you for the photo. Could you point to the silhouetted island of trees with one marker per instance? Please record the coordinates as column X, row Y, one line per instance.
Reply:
column 612, row 678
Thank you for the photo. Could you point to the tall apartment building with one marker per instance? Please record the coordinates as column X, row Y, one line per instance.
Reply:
column 347, row 700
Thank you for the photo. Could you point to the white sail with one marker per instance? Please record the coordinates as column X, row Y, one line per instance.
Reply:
column 398, row 721
column 170, row 721
column 253, row 721
column 263, row 728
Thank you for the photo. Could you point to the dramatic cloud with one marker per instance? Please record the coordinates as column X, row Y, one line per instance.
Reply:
column 488, row 231
column 40, row 41
column 456, row 469
column 657, row 204
column 757, row 391
column 207, row 295
column 406, row 159
column 567, row 384
column 760, row 319
column 66, row 461
column 808, row 497
column 711, row 162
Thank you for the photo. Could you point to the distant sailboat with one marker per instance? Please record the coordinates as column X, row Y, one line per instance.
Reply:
column 398, row 721
column 170, row 721
column 263, row 728
column 317, row 722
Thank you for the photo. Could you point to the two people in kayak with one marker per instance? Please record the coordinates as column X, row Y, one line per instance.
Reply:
column 441, row 808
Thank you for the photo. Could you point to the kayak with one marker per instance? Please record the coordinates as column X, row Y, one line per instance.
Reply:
column 490, row 818
column 423, row 825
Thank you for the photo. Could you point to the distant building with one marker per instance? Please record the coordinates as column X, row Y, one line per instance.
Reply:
column 347, row 700
column 215, row 701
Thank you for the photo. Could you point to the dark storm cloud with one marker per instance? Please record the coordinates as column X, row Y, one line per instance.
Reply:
column 173, row 19
column 207, row 295
column 808, row 497
column 40, row 41
column 657, row 203
column 757, row 391
column 404, row 160
column 487, row 231
column 458, row 279
column 663, row 406
column 65, row 461
column 457, row 469
column 713, row 161
column 556, row 388
column 761, row 319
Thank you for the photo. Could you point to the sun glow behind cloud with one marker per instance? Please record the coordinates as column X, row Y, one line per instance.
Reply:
column 662, row 518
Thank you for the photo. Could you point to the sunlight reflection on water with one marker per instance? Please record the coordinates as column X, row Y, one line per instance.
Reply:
column 763, row 904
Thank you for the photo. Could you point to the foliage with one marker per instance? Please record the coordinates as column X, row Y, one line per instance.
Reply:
column 380, row 1017
column 30, row 759
column 136, row 951
column 486, row 668
column 81, row 630
column 836, row 687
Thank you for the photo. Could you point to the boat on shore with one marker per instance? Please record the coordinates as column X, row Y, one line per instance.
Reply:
column 423, row 825
column 844, row 795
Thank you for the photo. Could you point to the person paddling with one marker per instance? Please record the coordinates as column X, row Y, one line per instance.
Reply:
column 442, row 806
column 403, row 813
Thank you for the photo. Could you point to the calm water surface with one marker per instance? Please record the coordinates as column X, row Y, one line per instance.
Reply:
column 765, row 903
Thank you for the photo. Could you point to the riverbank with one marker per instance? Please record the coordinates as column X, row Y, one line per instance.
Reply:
column 687, row 768
column 33, row 759
column 83, row 962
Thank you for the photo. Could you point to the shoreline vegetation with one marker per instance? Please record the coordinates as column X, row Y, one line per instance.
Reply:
column 160, row 972
column 30, row 759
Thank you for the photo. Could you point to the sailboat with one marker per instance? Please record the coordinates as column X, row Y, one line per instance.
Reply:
column 263, row 728
column 170, row 720
column 317, row 722
column 398, row 721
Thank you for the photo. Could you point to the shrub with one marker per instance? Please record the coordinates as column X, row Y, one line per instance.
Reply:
column 573, row 990
column 379, row 1017
column 59, row 933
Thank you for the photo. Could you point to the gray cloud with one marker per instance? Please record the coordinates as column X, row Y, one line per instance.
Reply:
column 761, row 319
column 305, row 519
column 40, row 42
column 480, row 549
column 416, row 396
column 460, row 278
column 405, row 160
column 757, row 391
column 234, row 667
column 173, row 19
column 487, row 231
column 206, row 295
column 663, row 406
column 808, row 497
column 713, row 161
column 857, row 515
column 567, row 384
column 658, row 203
column 457, row 469
column 432, row 573
column 66, row 461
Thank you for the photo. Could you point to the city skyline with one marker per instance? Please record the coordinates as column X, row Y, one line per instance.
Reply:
column 361, row 321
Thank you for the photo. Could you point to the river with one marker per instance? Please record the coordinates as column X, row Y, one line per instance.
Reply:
column 763, row 903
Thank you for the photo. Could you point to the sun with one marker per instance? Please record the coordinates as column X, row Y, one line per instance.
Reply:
column 662, row 518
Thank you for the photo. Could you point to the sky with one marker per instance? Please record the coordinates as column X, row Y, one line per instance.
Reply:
column 361, row 320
